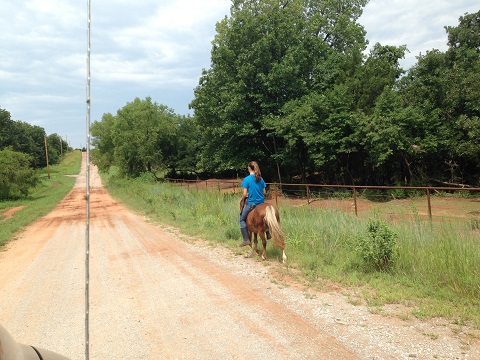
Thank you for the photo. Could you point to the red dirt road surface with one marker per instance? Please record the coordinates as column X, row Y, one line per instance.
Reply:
column 154, row 294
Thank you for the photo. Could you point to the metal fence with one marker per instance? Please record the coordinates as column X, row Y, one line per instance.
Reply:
column 420, row 201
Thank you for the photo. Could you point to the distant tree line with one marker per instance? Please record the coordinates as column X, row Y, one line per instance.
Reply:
column 291, row 87
column 22, row 153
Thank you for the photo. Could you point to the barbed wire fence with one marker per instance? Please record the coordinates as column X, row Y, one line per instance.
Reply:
column 396, row 201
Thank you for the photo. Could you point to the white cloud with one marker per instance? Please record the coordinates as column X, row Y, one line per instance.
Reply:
column 17, row 99
column 151, row 48
column 57, row 12
column 162, row 47
column 417, row 24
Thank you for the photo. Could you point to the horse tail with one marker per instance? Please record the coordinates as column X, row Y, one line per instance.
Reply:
column 273, row 224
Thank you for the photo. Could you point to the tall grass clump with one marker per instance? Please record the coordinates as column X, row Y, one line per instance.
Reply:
column 320, row 241
column 443, row 256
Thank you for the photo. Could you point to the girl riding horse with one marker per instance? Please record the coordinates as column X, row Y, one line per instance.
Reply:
column 257, row 217
column 253, row 194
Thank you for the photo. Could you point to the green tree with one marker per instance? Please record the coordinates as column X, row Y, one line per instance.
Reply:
column 6, row 124
column 103, row 153
column 187, row 143
column 16, row 174
column 135, row 135
column 381, row 70
column 397, row 139
column 445, row 88
column 143, row 137
column 55, row 147
column 30, row 139
column 60, row 146
column 463, row 57
column 316, row 129
column 265, row 55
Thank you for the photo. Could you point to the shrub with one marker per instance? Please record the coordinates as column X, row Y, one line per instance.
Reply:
column 16, row 175
column 377, row 247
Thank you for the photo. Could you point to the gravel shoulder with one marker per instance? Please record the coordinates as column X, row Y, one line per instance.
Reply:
column 156, row 294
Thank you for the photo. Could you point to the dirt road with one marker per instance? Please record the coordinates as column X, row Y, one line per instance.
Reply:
column 157, row 295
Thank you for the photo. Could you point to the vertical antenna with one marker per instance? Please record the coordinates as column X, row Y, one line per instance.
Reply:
column 87, row 198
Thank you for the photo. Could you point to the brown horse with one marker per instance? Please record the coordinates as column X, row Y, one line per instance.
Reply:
column 262, row 218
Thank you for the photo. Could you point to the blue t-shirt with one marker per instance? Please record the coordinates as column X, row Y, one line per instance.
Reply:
column 254, row 189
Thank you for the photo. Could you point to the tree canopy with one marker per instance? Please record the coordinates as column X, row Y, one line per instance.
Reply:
column 22, row 151
column 145, row 137
column 29, row 139
column 291, row 86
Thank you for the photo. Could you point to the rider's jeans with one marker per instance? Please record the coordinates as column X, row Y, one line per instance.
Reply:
column 243, row 216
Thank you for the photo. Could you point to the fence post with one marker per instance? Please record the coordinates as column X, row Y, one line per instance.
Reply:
column 308, row 195
column 355, row 200
column 429, row 205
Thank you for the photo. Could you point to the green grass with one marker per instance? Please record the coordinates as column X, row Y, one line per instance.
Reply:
column 436, row 270
column 43, row 198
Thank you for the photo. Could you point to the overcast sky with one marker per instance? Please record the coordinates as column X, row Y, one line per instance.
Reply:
column 151, row 48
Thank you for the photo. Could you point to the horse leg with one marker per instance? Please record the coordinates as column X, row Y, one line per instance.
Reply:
column 264, row 243
column 255, row 243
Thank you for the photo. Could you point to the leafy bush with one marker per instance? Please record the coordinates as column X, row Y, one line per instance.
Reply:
column 377, row 247
column 16, row 175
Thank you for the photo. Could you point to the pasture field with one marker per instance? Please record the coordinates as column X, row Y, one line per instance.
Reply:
column 434, row 273
column 16, row 214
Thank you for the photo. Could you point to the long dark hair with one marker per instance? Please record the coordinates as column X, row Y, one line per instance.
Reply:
column 256, row 169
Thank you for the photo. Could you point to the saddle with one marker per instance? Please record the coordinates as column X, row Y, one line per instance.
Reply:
column 243, row 201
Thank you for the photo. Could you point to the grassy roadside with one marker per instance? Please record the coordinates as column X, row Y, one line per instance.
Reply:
column 43, row 198
column 436, row 269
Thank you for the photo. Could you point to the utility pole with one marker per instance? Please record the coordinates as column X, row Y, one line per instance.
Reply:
column 46, row 155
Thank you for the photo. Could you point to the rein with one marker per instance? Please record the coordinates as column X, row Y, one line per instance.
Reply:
column 38, row 353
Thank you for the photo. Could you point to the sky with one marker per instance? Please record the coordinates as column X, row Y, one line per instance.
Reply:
column 151, row 48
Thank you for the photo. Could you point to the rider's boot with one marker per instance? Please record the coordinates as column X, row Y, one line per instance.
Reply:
column 246, row 237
